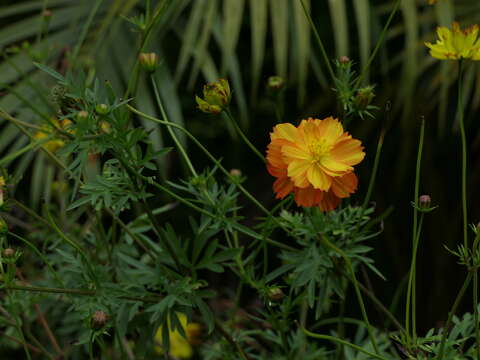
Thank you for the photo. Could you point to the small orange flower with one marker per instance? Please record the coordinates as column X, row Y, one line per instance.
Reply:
column 314, row 161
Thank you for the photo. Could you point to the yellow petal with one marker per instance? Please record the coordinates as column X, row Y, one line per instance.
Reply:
column 318, row 178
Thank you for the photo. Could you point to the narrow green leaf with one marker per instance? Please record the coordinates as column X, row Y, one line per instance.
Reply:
column 338, row 14
column 258, row 9
column 232, row 22
column 302, row 40
column 362, row 15
column 280, row 26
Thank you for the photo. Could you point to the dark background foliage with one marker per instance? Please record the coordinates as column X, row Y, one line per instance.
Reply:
column 248, row 41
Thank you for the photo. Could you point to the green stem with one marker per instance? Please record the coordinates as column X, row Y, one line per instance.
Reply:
column 78, row 292
column 377, row 46
column 343, row 342
column 371, row 183
column 85, row 28
column 452, row 313
column 411, row 288
column 170, row 130
column 243, row 136
column 464, row 152
column 319, row 41
column 475, row 311
column 209, row 155
column 415, row 227
column 357, row 289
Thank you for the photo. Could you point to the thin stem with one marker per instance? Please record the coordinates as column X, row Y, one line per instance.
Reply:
column 371, row 184
column 415, row 227
column 319, row 41
column 380, row 306
column 413, row 280
column 475, row 311
column 464, row 152
column 209, row 155
column 452, row 313
column 170, row 130
column 78, row 292
column 343, row 342
column 377, row 46
column 357, row 289
column 85, row 28
column 231, row 340
column 243, row 136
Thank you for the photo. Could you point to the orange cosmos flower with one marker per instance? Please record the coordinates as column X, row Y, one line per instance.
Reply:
column 314, row 161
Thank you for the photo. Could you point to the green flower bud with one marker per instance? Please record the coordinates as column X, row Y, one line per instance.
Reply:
column 275, row 83
column 102, row 109
column 149, row 61
column 275, row 294
column 82, row 115
column 364, row 96
column 8, row 252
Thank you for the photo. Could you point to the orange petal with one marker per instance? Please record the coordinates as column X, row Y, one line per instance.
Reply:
column 329, row 202
column 308, row 196
column 348, row 151
column 282, row 187
column 343, row 186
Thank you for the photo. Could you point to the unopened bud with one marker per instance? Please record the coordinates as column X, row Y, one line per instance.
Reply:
column 424, row 201
column 236, row 172
column 275, row 294
column 149, row 61
column 344, row 59
column 275, row 83
column 364, row 96
column 102, row 109
column 46, row 13
column 3, row 226
column 99, row 319
column 8, row 252
column 105, row 127
column 216, row 97
column 82, row 115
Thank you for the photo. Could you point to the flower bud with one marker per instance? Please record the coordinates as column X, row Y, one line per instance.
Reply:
column 105, row 127
column 102, row 109
column 236, row 172
column 99, row 319
column 149, row 61
column 82, row 115
column 344, row 59
column 275, row 83
column 424, row 201
column 3, row 226
column 8, row 252
column 364, row 96
column 275, row 294
column 46, row 13
column 216, row 97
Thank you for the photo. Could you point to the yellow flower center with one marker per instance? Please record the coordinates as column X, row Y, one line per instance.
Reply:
column 319, row 149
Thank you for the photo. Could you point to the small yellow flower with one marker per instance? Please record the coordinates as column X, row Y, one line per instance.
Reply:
column 216, row 97
column 52, row 145
column 456, row 43
column 180, row 347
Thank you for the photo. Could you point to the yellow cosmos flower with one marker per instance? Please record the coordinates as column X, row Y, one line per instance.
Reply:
column 456, row 43
column 314, row 161
column 180, row 347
